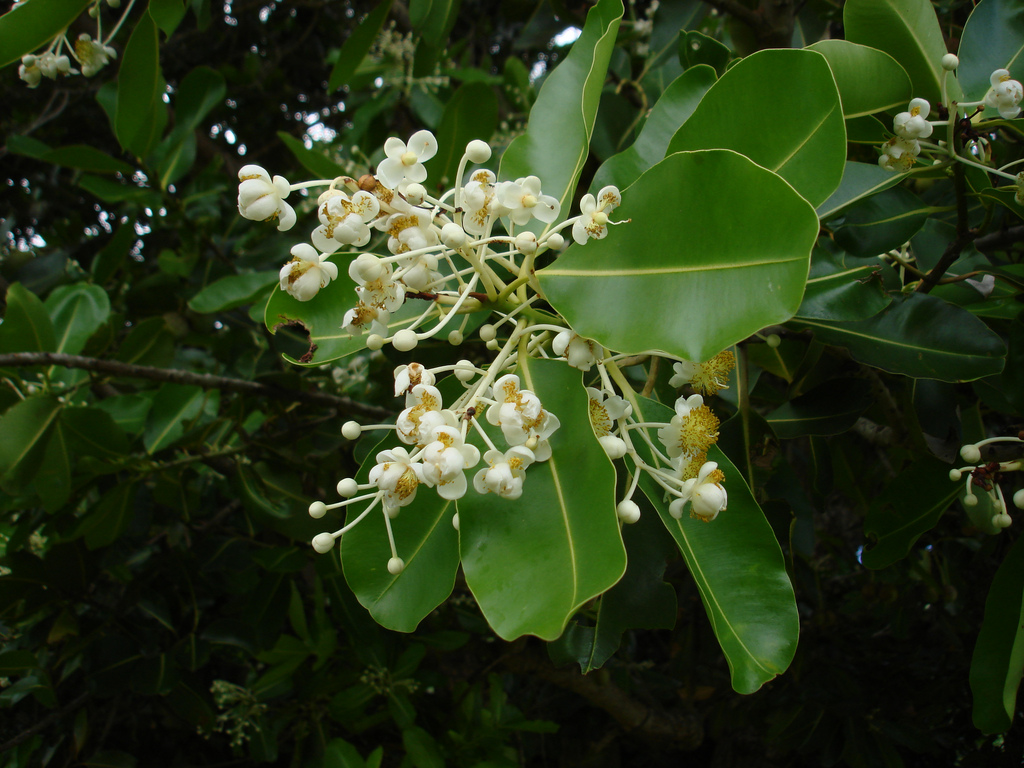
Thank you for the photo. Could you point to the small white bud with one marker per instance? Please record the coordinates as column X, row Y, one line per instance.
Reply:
column 453, row 235
column 374, row 342
column 455, row 521
column 526, row 242
column 367, row 266
column 317, row 510
column 493, row 345
column 971, row 454
column 351, row 430
column 323, row 543
column 478, row 151
column 396, row 565
column 1018, row 499
column 614, row 446
column 455, row 338
column 392, row 512
column 955, row 475
column 465, row 370
column 29, row 60
column 950, row 62
column 415, row 193
column 487, row 332
column 970, row 501
column 773, row 340
column 628, row 511
column 554, row 241
column 1002, row 520
column 405, row 340
column 347, row 487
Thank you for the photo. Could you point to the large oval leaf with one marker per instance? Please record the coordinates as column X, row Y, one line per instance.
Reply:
column 28, row 26
column 869, row 80
column 138, row 84
column 532, row 562
column 557, row 138
column 77, row 311
column 424, row 538
column 998, row 659
column 701, row 282
column 907, row 30
column 673, row 109
column 740, row 571
column 805, row 140
column 860, row 180
column 993, row 39
column 920, row 336
column 838, row 290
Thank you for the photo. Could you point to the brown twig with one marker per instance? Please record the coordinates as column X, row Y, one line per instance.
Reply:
column 204, row 380
column 964, row 235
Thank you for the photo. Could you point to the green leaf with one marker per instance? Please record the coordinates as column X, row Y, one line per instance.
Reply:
column 806, row 144
column 312, row 160
column 739, row 570
column 882, row 222
column 998, row 659
column 231, row 291
column 869, row 80
column 696, row 48
column 828, row 409
column 471, row 113
column 860, row 180
column 842, row 289
column 127, row 411
column 53, row 481
column 167, row 14
column 202, row 90
column 758, row 270
column 148, row 343
column 907, row 30
column 357, row 45
column 29, row 26
column 340, row 754
column 921, row 336
column 908, row 507
column 80, row 156
column 77, row 312
column 425, row 539
column 17, row 663
column 138, row 87
column 993, row 38
column 421, row 748
column 93, row 432
column 26, row 429
column 557, row 138
column 26, row 326
column 674, row 108
column 173, row 406
column 105, row 522
column 532, row 562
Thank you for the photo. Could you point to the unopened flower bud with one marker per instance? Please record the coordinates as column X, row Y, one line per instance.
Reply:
column 317, row 510
column 526, row 242
column 955, row 475
column 950, row 62
column 614, row 446
column 453, row 235
column 487, row 332
column 628, row 511
column 971, row 500
column 465, row 370
column 478, row 151
column 455, row 338
column 374, row 342
column 1002, row 520
column 396, row 565
column 1018, row 499
column 971, row 454
column 415, row 194
column 405, row 340
column 323, row 543
column 773, row 340
column 555, row 241
column 455, row 521
column 347, row 487
column 366, row 267
column 351, row 430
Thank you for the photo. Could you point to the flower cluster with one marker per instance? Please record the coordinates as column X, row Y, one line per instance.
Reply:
column 988, row 476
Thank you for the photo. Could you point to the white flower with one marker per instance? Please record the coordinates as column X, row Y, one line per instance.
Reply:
column 262, row 199
column 408, row 376
column 705, row 494
column 519, row 413
column 404, row 163
column 480, row 202
column 594, row 219
column 605, row 410
column 381, row 292
column 913, row 124
column 307, row 272
column 51, row 65
column 445, row 459
column 362, row 315
column 707, row 377
column 693, row 428
column 898, row 154
column 504, row 475
column 343, row 219
column 29, row 70
column 580, row 352
column 1005, row 94
column 422, row 415
column 397, row 476
column 408, row 230
column 92, row 55
column 524, row 201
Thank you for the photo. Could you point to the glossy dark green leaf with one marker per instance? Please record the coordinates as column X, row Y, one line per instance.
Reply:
column 882, row 222
column 231, row 291
column 557, row 138
column 426, row 540
column 27, row 326
column 696, row 48
column 684, row 268
column 993, row 38
column 828, row 409
column 421, row 748
column 138, row 87
column 739, row 569
column 92, row 432
column 920, row 336
column 807, row 142
column 357, row 45
column 842, row 288
column 860, row 180
column 167, row 14
column 173, row 407
column 471, row 113
column 29, row 26
column 79, row 156
column 869, row 80
column 675, row 106
column 108, row 519
column 26, row 430
column 313, row 160
column 53, row 480
column 998, row 659
column 338, row 753
column 907, row 30
column 201, row 91
column 148, row 343
column 1005, row 392
column 77, row 312
column 532, row 562
column 908, row 507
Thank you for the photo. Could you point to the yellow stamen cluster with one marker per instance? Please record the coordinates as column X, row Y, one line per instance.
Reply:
column 713, row 375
